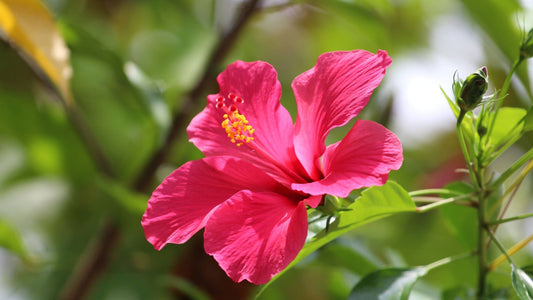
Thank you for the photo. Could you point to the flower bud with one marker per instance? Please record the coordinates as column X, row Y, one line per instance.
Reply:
column 526, row 49
column 471, row 91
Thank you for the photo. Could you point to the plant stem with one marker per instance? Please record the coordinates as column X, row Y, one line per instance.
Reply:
column 500, row 246
column 432, row 191
column 515, row 166
column 520, row 217
column 466, row 154
column 447, row 260
column 482, row 260
column 436, row 202
column 431, row 206
column 503, row 92
column 510, row 252
column 512, row 189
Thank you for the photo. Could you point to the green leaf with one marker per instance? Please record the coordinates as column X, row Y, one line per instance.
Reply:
column 522, row 283
column 528, row 270
column 10, row 240
column 462, row 220
column 387, row 284
column 374, row 203
column 350, row 255
column 508, row 123
column 459, row 293
column 528, row 121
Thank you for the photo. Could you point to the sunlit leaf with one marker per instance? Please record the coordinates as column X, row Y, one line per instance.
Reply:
column 11, row 240
column 374, row 203
column 522, row 283
column 508, row 123
column 387, row 284
column 30, row 28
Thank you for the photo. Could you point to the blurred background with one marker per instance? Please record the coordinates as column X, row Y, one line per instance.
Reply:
column 70, row 220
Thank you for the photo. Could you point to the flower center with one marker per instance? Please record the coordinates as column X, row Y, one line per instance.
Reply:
column 235, row 124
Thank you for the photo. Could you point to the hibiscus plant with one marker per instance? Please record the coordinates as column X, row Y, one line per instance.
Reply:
column 161, row 123
column 264, row 179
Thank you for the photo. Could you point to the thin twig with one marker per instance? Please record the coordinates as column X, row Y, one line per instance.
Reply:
column 94, row 262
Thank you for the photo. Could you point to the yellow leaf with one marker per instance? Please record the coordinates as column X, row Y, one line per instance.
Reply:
column 30, row 28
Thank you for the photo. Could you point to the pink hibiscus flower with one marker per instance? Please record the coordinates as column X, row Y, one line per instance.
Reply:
column 261, row 171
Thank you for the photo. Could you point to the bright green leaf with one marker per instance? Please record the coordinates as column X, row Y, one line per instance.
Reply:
column 374, row 203
column 30, row 28
column 508, row 123
column 522, row 283
column 10, row 240
column 387, row 284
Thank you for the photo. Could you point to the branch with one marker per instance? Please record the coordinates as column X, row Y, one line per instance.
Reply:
column 191, row 102
column 93, row 263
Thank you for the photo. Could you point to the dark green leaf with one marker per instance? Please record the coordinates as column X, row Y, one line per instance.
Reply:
column 462, row 220
column 350, row 255
column 528, row 121
column 528, row 270
column 459, row 293
column 387, row 284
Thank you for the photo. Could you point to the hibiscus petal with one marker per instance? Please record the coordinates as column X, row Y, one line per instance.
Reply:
column 329, row 95
column 363, row 158
column 257, row 84
column 254, row 236
column 181, row 205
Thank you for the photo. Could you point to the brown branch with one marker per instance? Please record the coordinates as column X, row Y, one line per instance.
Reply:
column 182, row 117
column 94, row 262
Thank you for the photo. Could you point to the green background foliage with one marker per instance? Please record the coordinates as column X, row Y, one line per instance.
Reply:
column 135, row 64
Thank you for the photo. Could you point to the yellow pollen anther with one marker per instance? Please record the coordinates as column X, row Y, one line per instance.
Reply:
column 234, row 123
column 237, row 128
